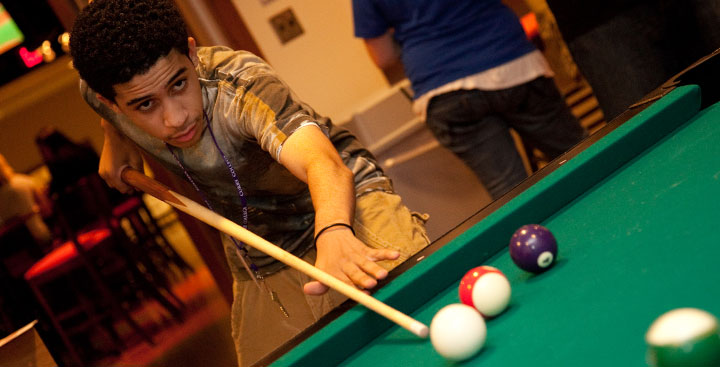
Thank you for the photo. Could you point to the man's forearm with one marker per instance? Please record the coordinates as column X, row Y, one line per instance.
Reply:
column 118, row 152
column 333, row 193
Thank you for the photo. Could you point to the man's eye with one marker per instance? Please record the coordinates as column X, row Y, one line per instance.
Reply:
column 145, row 106
column 180, row 84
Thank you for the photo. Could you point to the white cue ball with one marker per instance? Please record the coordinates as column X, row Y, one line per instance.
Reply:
column 491, row 294
column 457, row 331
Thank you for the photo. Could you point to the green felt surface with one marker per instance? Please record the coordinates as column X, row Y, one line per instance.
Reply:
column 635, row 240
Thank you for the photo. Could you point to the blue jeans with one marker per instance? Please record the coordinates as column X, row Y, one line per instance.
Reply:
column 474, row 124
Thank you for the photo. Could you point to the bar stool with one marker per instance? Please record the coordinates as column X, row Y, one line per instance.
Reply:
column 153, row 253
column 92, row 281
column 65, row 283
column 113, row 208
column 142, row 228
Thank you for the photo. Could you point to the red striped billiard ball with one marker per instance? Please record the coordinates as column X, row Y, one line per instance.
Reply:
column 485, row 288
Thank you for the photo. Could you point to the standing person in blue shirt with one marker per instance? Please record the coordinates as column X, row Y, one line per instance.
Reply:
column 474, row 75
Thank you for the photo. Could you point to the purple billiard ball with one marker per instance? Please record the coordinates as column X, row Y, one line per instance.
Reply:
column 533, row 248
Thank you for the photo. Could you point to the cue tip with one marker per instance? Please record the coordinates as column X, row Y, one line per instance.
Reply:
column 419, row 329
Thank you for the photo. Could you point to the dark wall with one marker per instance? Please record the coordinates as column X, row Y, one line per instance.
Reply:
column 627, row 48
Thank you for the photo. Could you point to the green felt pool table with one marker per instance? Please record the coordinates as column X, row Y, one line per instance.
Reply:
column 635, row 211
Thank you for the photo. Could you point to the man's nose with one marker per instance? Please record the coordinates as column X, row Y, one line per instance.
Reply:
column 175, row 114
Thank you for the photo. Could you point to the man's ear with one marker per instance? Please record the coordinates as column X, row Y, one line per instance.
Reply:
column 112, row 105
column 192, row 51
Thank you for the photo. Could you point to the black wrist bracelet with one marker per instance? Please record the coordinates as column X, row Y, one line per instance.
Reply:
column 330, row 226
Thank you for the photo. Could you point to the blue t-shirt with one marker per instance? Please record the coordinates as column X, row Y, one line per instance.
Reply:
column 444, row 40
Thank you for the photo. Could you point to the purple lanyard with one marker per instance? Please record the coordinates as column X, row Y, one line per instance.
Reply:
column 251, row 268
column 243, row 200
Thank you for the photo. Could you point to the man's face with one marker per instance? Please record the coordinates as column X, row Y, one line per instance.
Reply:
column 166, row 101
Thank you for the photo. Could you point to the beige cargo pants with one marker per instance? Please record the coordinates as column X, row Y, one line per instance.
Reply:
column 258, row 325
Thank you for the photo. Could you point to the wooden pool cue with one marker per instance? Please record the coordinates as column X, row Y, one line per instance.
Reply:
column 150, row 186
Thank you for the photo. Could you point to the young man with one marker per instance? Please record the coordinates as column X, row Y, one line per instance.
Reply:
column 255, row 153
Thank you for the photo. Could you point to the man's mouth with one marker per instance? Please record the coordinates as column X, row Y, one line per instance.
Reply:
column 186, row 135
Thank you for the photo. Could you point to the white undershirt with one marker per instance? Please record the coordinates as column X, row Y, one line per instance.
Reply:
column 521, row 70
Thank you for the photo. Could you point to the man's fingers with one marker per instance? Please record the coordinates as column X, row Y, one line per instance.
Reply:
column 382, row 254
column 315, row 288
column 117, row 181
column 125, row 189
column 377, row 271
column 117, row 184
column 360, row 278
column 358, row 267
column 114, row 179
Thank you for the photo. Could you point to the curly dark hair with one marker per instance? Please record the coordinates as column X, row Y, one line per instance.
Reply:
column 114, row 40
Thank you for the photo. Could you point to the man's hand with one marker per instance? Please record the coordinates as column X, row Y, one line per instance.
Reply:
column 345, row 257
column 311, row 157
column 118, row 152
